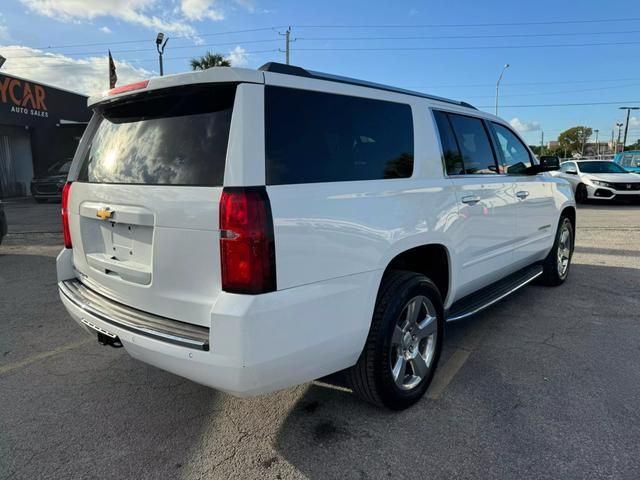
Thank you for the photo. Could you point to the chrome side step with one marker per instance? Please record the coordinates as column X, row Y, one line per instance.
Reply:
column 131, row 319
column 477, row 301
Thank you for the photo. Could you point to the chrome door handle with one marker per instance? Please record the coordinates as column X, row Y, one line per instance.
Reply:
column 470, row 199
column 522, row 194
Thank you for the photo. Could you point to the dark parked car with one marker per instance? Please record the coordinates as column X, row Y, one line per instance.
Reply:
column 3, row 222
column 50, row 187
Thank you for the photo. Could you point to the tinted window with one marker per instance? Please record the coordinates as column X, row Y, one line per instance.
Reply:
column 515, row 156
column 630, row 160
column 320, row 137
column 474, row 144
column 451, row 153
column 600, row 167
column 174, row 138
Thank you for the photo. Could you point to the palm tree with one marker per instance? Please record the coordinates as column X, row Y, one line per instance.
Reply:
column 209, row 60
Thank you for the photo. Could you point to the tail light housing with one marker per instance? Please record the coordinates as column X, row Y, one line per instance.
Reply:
column 247, row 247
column 66, row 190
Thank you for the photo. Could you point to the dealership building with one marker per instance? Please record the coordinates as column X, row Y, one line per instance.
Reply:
column 40, row 127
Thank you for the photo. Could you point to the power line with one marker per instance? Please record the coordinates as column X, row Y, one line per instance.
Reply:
column 84, row 62
column 150, row 39
column 53, row 54
column 473, row 47
column 561, row 104
column 455, row 37
column 522, row 83
column 460, row 25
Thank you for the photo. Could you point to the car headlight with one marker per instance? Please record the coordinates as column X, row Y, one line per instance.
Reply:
column 600, row 183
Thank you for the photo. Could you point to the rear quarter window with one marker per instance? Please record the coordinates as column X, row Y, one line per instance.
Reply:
column 321, row 137
column 166, row 137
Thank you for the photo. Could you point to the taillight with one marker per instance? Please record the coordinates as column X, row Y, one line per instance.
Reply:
column 129, row 87
column 247, row 250
column 65, row 215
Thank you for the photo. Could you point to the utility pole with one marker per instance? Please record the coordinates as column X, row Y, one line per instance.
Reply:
column 619, row 125
column 541, row 143
column 584, row 138
column 626, row 126
column 287, row 42
column 506, row 65
column 597, row 146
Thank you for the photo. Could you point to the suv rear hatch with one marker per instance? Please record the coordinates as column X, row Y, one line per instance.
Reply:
column 143, row 208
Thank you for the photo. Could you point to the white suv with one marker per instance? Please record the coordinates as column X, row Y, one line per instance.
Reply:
column 253, row 230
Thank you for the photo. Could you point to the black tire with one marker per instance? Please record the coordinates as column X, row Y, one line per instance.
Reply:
column 551, row 274
column 581, row 193
column 40, row 200
column 371, row 377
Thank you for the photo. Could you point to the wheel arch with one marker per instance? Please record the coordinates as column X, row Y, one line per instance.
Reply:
column 432, row 260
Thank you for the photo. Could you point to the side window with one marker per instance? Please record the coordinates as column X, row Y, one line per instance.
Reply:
column 474, row 145
column 515, row 156
column 450, row 151
column 315, row 137
column 566, row 166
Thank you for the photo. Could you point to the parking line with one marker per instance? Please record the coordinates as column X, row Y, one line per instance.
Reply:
column 446, row 372
column 41, row 356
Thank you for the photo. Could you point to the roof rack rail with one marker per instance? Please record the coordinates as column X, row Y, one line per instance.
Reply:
column 276, row 67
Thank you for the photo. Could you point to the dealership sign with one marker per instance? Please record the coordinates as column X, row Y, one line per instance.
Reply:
column 24, row 98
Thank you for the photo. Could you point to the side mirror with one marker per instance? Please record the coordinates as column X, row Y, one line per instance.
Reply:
column 572, row 172
column 549, row 163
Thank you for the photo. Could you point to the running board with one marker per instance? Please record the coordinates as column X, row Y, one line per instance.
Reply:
column 485, row 297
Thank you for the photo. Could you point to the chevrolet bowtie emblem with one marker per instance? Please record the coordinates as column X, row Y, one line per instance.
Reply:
column 104, row 213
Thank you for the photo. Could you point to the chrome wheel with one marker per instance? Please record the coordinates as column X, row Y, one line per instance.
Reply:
column 413, row 343
column 564, row 249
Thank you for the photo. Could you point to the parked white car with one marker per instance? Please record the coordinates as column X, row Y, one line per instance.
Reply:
column 253, row 230
column 599, row 179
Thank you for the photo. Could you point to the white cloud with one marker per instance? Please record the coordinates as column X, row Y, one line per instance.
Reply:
column 634, row 122
column 87, row 76
column 132, row 11
column 200, row 9
column 105, row 29
column 522, row 127
column 248, row 5
column 238, row 57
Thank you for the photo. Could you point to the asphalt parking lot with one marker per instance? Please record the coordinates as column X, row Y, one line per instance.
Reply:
column 546, row 384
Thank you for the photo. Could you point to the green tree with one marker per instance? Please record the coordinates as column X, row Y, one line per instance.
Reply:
column 209, row 60
column 574, row 138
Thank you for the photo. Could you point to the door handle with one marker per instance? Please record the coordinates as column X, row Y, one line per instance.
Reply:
column 470, row 199
column 522, row 194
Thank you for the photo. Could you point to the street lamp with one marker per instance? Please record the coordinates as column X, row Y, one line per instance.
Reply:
column 506, row 65
column 597, row 144
column 160, row 47
column 626, row 126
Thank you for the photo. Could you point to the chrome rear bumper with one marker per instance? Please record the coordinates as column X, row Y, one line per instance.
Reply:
column 136, row 321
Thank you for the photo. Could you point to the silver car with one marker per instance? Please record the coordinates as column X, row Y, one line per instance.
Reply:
column 599, row 179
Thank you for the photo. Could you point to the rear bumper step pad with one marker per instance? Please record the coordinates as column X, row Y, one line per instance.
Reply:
column 133, row 320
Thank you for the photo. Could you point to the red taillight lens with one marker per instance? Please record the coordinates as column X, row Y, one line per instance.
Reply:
column 247, row 248
column 65, row 215
column 129, row 87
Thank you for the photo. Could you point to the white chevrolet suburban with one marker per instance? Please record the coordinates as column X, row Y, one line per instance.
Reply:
column 252, row 230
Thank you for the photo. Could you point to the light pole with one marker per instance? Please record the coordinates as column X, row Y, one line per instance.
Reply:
column 626, row 126
column 160, row 47
column 597, row 145
column 506, row 65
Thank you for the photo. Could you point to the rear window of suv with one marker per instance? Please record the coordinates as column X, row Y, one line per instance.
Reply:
column 165, row 137
column 322, row 137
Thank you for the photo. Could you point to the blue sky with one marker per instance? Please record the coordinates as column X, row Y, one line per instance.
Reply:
column 459, row 52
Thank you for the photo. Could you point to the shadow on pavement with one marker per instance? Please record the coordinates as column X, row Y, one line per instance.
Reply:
column 544, row 394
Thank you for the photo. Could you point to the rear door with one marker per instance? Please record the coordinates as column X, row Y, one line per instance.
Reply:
column 486, row 200
column 144, row 200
